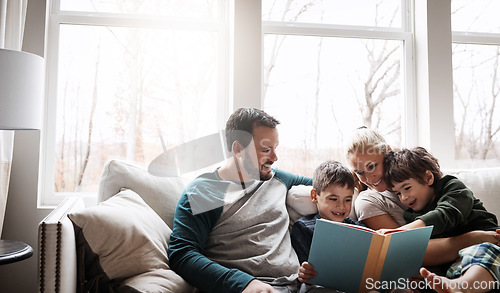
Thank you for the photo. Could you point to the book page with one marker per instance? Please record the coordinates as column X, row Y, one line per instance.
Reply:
column 350, row 258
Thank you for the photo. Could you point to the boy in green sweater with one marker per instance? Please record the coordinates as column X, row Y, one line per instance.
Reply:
column 447, row 204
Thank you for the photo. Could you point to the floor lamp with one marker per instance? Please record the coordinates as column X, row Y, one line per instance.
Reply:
column 21, row 107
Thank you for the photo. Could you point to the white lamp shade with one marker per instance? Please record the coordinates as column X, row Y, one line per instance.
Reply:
column 21, row 90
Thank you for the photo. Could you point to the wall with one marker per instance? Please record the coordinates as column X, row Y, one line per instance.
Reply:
column 22, row 215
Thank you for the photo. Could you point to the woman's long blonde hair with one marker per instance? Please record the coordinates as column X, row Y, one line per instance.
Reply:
column 366, row 141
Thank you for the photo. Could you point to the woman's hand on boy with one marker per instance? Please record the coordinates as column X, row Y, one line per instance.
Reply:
column 306, row 272
column 489, row 236
column 478, row 237
column 497, row 236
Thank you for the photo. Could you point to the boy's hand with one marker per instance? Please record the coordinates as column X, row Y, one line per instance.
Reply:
column 388, row 231
column 306, row 272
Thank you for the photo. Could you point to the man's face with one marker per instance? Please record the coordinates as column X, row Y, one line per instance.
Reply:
column 261, row 154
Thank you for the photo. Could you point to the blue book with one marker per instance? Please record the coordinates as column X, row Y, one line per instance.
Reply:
column 353, row 258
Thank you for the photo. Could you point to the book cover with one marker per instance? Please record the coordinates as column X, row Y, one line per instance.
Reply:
column 352, row 258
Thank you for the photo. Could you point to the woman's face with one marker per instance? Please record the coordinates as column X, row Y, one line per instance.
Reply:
column 370, row 169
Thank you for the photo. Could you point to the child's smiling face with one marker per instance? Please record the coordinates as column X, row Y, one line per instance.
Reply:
column 415, row 194
column 334, row 202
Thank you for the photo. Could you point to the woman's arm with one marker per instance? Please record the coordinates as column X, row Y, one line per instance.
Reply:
column 380, row 222
column 413, row 225
column 444, row 250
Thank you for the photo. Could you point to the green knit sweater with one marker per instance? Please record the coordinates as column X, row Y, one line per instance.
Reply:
column 453, row 211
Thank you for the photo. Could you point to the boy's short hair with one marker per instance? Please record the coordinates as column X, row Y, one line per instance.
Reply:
column 243, row 121
column 404, row 164
column 332, row 172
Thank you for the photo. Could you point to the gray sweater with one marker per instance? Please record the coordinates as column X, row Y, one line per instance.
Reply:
column 224, row 237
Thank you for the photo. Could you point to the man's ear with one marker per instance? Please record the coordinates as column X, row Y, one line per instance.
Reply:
column 389, row 148
column 429, row 177
column 314, row 195
column 237, row 147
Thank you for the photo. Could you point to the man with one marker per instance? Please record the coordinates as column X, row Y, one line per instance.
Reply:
column 230, row 229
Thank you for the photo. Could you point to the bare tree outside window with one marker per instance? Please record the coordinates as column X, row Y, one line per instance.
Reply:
column 476, row 83
column 476, row 90
column 334, row 84
column 123, row 90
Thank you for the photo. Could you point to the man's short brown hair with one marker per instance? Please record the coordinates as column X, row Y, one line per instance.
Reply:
column 244, row 120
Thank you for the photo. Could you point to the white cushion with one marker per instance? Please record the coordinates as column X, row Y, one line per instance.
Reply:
column 485, row 183
column 299, row 203
column 126, row 234
column 160, row 193
column 161, row 280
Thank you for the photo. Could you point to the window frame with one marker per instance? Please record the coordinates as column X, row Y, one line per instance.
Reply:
column 404, row 34
column 56, row 17
column 474, row 38
column 237, row 90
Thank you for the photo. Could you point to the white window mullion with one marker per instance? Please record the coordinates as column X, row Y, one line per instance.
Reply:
column 409, row 124
column 434, row 79
column 224, row 62
column 47, row 197
column 247, row 54
column 270, row 27
column 476, row 38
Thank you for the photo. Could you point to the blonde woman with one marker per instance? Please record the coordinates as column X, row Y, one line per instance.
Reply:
column 379, row 208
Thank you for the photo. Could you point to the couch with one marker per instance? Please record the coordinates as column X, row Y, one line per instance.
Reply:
column 121, row 242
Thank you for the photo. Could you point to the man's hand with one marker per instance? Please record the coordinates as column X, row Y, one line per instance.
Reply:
column 256, row 286
column 306, row 272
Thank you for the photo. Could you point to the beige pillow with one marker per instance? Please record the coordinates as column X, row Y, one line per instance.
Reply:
column 160, row 193
column 160, row 280
column 484, row 183
column 120, row 238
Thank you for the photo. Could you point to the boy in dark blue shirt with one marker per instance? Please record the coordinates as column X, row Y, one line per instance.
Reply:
column 333, row 189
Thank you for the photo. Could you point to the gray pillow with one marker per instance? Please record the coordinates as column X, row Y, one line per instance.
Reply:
column 158, row 281
column 120, row 238
column 160, row 193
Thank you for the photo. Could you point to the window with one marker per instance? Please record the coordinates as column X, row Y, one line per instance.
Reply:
column 330, row 67
column 476, row 81
column 128, row 80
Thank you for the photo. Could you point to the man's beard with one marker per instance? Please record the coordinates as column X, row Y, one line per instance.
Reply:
column 255, row 172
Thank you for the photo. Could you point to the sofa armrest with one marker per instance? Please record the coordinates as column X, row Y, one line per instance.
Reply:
column 57, row 249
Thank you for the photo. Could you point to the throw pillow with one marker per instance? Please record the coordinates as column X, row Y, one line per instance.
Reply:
column 120, row 238
column 299, row 203
column 160, row 280
column 160, row 193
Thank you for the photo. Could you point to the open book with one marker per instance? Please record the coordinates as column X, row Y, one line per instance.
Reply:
column 352, row 258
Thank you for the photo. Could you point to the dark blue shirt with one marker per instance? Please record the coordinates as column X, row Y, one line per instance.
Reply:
column 302, row 234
